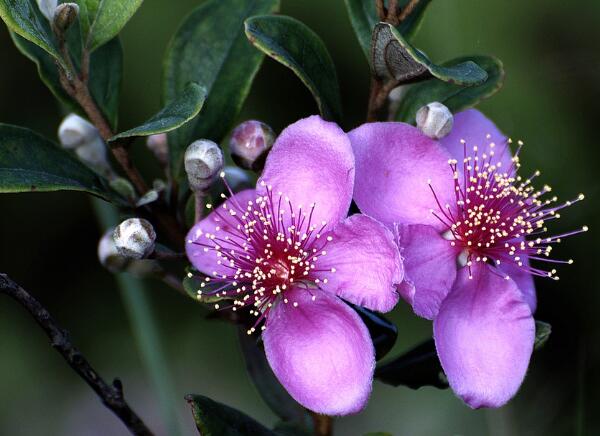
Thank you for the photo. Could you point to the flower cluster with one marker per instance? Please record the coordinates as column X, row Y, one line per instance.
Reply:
column 447, row 224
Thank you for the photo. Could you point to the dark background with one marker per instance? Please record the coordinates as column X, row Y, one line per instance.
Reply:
column 48, row 241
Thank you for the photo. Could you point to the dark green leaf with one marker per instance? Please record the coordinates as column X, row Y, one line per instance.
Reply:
column 30, row 163
column 210, row 48
column 102, row 20
column 382, row 331
column 393, row 58
column 269, row 388
column 363, row 17
column 283, row 428
column 417, row 368
column 106, row 68
column 542, row 334
column 296, row 46
column 378, row 433
column 25, row 19
column 455, row 97
column 216, row 419
column 176, row 114
column 196, row 287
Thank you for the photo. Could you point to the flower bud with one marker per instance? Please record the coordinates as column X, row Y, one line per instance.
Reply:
column 435, row 120
column 159, row 146
column 64, row 15
column 249, row 144
column 134, row 238
column 74, row 131
column 238, row 179
column 203, row 162
column 47, row 7
column 108, row 255
column 95, row 155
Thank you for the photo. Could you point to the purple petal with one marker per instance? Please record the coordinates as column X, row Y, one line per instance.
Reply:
column 484, row 336
column 475, row 129
column 312, row 162
column 366, row 264
column 430, row 265
column 321, row 352
column 524, row 281
column 394, row 161
column 203, row 258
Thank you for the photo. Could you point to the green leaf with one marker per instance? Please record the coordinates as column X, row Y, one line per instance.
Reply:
column 31, row 163
column 393, row 58
column 25, row 19
column 363, row 17
column 542, row 334
column 102, row 20
column 455, row 97
column 296, row 46
column 269, row 388
column 378, row 433
column 417, row 368
column 176, row 114
column 210, row 48
column 382, row 331
column 106, row 69
column 216, row 419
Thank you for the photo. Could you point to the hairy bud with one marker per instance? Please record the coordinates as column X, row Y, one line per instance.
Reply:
column 65, row 15
column 108, row 255
column 238, row 179
column 435, row 120
column 203, row 162
column 249, row 144
column 159, row 146
column 74, row 131
column 134, row 238
column 47, row 7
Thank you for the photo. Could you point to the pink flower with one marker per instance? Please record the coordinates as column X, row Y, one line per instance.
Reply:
column 467, row 227
column 288, row 251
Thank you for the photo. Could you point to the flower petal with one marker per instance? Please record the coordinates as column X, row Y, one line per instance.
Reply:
column 476, row 130
column 430, row 268
column 394, row 161
column 366, row 264
column 321, row 352
column 206, row 259
column 484, row 336
column 312, row 162
column 524, row 281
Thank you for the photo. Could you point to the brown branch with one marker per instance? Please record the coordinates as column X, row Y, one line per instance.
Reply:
column 110, row 394
column 323, row 424
column 378, row 96
column 392, row 15
column 381, row 10
column 407, row 10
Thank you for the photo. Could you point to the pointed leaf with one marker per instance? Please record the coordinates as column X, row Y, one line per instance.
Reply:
column 269, row 388
column 393, row 58
column 417, row 368
column 210, row 49
column 382, row 331
column 176, row 114
column 542, row 334
column 216, row 419
column 363, row 17
column 455, row 97
column 25, row 19
column 106, row 69
column 102, row 20
column 197, row 288
column 296, row 46
column 31, row 163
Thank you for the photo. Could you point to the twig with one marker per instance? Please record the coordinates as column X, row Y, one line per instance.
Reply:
column 110, row 394
column 381, row 10
column 323, row 424
column 407, row 10
column 392, row 15
column 378, row 96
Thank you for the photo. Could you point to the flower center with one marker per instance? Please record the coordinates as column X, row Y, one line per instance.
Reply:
column 263, row 248
column 496, row 211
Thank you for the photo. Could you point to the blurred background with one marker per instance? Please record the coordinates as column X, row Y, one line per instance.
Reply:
column 48, row 242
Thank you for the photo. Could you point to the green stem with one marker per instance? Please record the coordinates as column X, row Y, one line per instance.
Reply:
column 146, row 332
